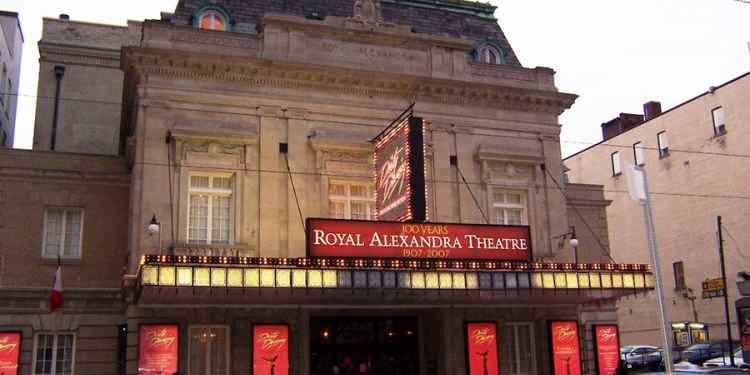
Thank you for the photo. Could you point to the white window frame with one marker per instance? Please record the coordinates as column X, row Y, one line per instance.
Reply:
column 62, row 234
column 56, row 336
column 638, row 153
column 212, row 192
column 663, row 143
column 719, row 129
column 489, row 55
column 532, row 343
column 227, row 352
column 524, row 205
column 347, row 198
column 616, row 163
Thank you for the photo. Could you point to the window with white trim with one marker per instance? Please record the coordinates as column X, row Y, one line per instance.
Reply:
column 63, row 230
column 638, row 153
column 53, row 354
column 509, row 207
column 210, row 209
column 209, row 350
column 616, row 167
column 719, row 125
column 212, row 20
column 663, row 143
column 350, row 200
column 517, row 349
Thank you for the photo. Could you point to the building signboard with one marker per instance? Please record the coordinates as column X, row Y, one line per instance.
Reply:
column 566, row 354
column 377, row 239
column 270, row 349
column 482, row 348
column 399, row 158
column 158, row 349
column 713, row 288
column 607, row 348
column 10, row 351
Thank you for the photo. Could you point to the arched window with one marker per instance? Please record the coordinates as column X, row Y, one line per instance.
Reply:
column 489, row 55
column 212, row 20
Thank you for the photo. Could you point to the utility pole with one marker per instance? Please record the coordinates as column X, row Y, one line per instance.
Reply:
column 726, row 290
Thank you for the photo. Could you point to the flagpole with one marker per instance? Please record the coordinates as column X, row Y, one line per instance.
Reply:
column 651, row 235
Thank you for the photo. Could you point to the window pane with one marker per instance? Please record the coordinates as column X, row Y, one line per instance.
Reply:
column 524, row 348
column 72, row 244
column 222, row 183
column 64, row 359
column 199, row 181
column 337, row 210
column 718, row 116
column 638, row 153
column 508, row 355
column 220, row 220
column 199, row 338
column 499, row 196
column 514, row 216
column 500, row 216
column 360, row 191
column 360, row 210
column 663, row 140
column 198, row 219
column 208, row 350
column 336, row 189
column 43, row 364
column 53, row 236
column 514, row 198
column 616, row 163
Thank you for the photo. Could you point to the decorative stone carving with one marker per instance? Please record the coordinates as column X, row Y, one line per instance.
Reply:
column 368, row 11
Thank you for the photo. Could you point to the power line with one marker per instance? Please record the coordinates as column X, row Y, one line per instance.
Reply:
column 567, row 141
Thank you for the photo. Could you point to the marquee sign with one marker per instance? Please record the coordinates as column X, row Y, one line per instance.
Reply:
column 270, row 349
column 566, row 354
column 10, row 351
column 482, row 348
column 399, row 172
column 359, row 238
column 158, row 349
column 607, row 348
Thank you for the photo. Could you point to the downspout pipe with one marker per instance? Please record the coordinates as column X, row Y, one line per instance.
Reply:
column 59, row 73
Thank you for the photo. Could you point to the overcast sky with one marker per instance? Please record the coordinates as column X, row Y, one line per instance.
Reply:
column 616, row 55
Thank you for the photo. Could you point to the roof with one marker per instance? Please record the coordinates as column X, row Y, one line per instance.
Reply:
column 455, row 18
column 18, row 20
column 709, row 91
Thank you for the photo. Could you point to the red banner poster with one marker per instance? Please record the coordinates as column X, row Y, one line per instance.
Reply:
column 10, row 350
column 270, row 349
column 566, row 355
column 481, row 349
column 158, row 349
column 607, row 345
column 352, row 238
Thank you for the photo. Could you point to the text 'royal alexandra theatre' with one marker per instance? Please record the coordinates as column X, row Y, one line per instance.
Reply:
column 398, row 295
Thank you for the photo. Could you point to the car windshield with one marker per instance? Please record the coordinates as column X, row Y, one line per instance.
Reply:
column 698, row 347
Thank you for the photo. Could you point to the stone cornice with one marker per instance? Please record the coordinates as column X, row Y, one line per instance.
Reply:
column 77, row 55
column 214, row 135
column 263, row 73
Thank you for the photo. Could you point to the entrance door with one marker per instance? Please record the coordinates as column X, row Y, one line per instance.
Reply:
column 372, row 346
column 209, row 350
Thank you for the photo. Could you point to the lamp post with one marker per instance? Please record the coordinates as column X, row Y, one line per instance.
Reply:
column 574, row 243
column 155, row 228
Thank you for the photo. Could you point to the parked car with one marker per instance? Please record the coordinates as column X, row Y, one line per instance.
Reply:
column 724, row 361
column 640, row 357
column 687, row 368
column 699, row 353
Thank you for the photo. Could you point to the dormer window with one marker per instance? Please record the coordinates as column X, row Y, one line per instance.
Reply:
column 212, row 20
column 489, row 55
column 488, row 51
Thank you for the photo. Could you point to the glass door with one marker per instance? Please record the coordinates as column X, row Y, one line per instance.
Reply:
column 209, row 350
column 517, row 349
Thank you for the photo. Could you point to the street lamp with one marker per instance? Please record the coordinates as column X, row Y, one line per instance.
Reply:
column 155, row 228
column 573, row 241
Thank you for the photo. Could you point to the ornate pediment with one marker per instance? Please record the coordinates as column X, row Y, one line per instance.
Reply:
column 345, row 157
column 216, row 147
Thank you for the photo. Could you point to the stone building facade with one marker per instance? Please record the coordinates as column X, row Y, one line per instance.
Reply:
column 11, row 48
column 236, row 122
column 695, row 158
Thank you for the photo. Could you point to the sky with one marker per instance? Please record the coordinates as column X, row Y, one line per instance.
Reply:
column 616, row 55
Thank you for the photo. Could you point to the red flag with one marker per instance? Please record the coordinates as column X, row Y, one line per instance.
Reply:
column 56, row 297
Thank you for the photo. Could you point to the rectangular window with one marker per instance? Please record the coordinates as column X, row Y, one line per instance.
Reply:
column 679, row 276
column 719, row 125
column 509, row 207
column 210, row 209
column 638, row 154
column 661, row 140
column 209, row 350
column 63, row 229
column 347, row 200
column 616, row 168
column 517, row 349
column 53, row 354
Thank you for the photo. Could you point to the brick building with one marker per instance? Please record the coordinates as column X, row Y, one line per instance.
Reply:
column 226, row 124
column 695, row 157
column 11, row 48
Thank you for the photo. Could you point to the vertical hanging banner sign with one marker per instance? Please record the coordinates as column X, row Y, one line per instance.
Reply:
column 399, row 159
column 566, row 354
column 10, row 351
column 482, row 348
column 270, row 349
column 607, row 348
column 158, row 349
